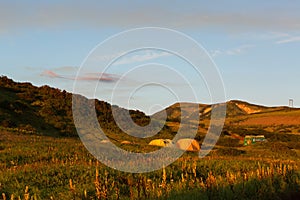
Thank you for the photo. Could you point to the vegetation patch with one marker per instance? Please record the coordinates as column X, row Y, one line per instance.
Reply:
column 230, row 152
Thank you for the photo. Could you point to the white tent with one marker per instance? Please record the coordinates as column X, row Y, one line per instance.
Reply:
column 188, row 144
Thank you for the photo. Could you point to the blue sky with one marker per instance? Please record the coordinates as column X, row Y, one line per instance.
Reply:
column 255, row 45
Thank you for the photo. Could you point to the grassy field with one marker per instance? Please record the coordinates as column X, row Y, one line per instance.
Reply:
column 42, row 167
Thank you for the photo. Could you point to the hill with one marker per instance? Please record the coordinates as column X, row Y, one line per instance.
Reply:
column 241, row 117
column 48, row 111
column 45, row 110
column 234, row 109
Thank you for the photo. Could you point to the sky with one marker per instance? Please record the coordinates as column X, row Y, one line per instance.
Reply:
column 254, row 45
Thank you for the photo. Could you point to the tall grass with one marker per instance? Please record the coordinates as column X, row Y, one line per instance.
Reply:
column 33, row 167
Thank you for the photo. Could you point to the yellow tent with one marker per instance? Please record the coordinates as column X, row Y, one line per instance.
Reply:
column 188, row 145
column 161, row 142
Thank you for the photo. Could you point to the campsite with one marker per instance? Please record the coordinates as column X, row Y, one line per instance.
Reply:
column 149, row 100
column 37, row 164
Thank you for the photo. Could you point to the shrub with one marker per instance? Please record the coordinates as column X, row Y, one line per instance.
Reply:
column 230, row 152
column 282, row 149
column 228, row 142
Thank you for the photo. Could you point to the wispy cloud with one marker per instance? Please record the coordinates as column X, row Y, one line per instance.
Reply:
column 271, row 36
column 63, row 69
column 51, row 74
column 148, row 55
column 66, row 69
column 239, row 50
column 289, row 40
column 144, row 55
column 277, row 35
column 281, row 37
column 233, row 51
column 105, row 77
column 107, row 57
column 215, row 53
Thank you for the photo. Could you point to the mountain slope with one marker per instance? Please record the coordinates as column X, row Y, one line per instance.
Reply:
column 47, row 110
column 239, row 114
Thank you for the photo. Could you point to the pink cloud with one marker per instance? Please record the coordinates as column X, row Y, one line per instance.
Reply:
column 50, row 74
column 105, row 77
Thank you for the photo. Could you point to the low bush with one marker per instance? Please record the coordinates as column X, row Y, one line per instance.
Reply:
column 230, row 152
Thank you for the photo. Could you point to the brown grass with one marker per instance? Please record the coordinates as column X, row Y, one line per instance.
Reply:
column 273, row 120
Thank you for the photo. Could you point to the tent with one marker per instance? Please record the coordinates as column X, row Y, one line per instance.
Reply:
column 161, row 142
column 188, row 145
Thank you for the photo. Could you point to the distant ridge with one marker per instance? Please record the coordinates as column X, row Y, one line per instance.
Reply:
column 238, row 111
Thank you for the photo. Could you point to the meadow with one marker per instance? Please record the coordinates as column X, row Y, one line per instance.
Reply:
column 45, row 167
